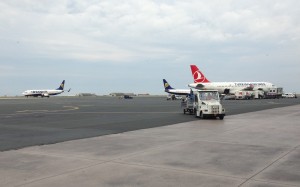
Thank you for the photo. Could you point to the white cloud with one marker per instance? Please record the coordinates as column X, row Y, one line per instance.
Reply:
column 111, row 25
column 134, row 31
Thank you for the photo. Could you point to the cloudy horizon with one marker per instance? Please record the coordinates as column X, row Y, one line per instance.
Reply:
column 130, row 46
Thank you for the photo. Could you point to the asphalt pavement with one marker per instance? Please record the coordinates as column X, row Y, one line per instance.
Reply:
column 38, row 121
column 246, row 150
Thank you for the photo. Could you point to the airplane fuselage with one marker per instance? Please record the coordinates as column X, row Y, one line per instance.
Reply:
column 42, row 93
column 178, row 91
column 45, row 93
column 232, row 87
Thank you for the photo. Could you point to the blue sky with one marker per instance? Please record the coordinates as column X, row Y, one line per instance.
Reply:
column 130, row 46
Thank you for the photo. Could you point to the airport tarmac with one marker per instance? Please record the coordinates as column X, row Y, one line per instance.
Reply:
column 251, row 149
column 38, row 121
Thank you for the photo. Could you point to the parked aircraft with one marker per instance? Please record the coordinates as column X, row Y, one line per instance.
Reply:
column 201, row 82
column 171, row 90
column 45, row 93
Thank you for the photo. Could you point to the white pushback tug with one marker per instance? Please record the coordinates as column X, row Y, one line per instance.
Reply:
column 204, row 104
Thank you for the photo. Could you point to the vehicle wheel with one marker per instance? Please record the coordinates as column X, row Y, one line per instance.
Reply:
column 202, row 115
column 221, row 117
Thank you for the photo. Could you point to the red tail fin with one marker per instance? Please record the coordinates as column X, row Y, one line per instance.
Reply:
column 198, row 75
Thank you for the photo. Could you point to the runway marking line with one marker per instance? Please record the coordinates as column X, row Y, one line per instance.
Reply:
column 64, row 112
column 70, row 108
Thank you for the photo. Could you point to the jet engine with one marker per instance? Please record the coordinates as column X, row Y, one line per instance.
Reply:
column 45, row 95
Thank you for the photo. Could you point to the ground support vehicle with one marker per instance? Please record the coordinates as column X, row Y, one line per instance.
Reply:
column 188, row 104
column 169, row 97
column 127, row 97
column 274, row 93
column 250, row 94
column 174, row 97
column 207, row 104
column 289, row 95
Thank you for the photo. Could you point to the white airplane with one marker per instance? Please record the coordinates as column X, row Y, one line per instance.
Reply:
column 201, row 82
column 174, row 91
column 45, row 93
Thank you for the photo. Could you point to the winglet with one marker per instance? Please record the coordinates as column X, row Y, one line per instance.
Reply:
column 198, row 75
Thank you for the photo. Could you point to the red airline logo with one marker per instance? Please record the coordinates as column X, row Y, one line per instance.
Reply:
column 198, row 76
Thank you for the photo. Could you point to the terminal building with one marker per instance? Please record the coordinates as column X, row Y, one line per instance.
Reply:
column 119, row 94
column 86, row 94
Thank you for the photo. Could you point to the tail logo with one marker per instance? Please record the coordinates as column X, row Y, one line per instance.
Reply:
column 198, row 76
column 166, row 85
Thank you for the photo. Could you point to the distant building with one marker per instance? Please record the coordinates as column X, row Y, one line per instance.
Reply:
column 118, row 94
column 143, row 94
column 86, row 94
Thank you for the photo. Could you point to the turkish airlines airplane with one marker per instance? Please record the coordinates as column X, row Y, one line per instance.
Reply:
column 201, row 82
column 45, row 93
column 174, row 91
